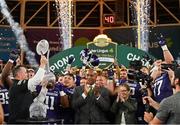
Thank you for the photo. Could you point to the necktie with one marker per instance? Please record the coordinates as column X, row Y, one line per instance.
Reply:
column 91, row 90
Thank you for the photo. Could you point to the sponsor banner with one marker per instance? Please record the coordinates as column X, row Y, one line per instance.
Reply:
column 7, row 42
column 125, row 54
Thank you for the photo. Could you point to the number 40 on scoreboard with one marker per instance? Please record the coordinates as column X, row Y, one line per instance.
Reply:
column 109, row 18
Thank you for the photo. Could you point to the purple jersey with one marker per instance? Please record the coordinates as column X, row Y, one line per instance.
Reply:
column 53, row 103
column 135, row 87
column 162, row 87
column 4, row 100
column 120, row 81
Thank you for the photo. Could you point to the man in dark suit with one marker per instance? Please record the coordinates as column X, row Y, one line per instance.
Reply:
column 91, row 101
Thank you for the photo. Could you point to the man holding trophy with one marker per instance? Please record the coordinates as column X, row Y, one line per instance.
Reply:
column 20, row 87
column 20, row 93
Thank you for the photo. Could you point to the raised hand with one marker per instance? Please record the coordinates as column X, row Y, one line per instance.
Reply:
column 96, row 91
column 121, row 98
column 161, row 39
column 14, row 54
column 43, row 61
column 148, row 100
column 18, row 61
column 118, row 97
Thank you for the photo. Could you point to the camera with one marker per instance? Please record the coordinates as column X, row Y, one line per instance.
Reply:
column 145, row 80
column 139, row 76
column 136, row 74
column 172, row 66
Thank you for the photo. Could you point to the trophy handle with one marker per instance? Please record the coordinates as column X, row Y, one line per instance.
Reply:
column 47, row 66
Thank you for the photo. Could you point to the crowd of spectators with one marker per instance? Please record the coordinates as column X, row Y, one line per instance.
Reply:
column 119, row 95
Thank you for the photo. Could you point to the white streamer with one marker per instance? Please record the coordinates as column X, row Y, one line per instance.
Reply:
column 64, row 11
column 18, row 31
column 141, row 17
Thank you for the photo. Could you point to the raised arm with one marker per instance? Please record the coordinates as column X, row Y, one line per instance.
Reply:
column 8, row 68
column 166, row 53
column 5, row 74
column 38, row 77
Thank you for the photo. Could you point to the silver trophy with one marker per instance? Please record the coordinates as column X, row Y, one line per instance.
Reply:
column 42, row 48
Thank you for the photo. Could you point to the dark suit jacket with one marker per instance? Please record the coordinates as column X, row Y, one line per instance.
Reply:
column 90, row 110
column 129, row 108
